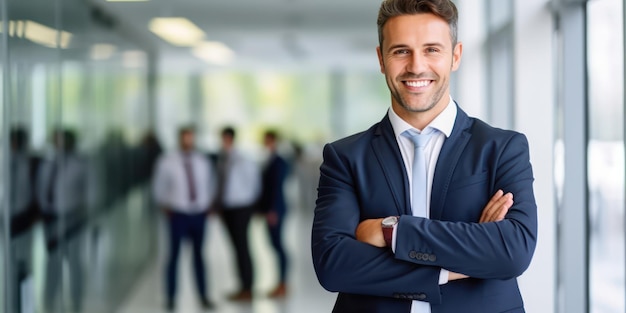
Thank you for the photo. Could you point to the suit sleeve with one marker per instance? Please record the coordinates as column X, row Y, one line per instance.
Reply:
column 346, row 265
column 495, row 250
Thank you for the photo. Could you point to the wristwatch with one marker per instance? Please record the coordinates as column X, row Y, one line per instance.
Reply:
column 387, row 224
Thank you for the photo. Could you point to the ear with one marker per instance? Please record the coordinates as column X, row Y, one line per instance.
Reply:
column 456, row 56
column 380, row 60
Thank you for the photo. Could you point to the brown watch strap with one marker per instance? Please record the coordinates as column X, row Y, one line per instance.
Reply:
column 388, row 235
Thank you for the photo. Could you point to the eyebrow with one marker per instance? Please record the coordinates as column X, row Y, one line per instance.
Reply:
column 397, row 46
column 429, row 44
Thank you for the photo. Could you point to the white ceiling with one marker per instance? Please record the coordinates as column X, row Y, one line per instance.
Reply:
column 266, row 33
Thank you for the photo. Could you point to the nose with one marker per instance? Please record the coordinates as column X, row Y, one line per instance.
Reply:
column 417, row 64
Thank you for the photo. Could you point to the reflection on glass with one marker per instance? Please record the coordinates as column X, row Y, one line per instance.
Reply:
column 606, row 156
column 93, row 83
column 3, row 147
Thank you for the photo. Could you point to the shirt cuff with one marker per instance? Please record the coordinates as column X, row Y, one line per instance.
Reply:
column 443, row 276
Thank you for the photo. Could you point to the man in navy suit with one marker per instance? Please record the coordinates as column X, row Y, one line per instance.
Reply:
column 274, row 206
column 458, row 243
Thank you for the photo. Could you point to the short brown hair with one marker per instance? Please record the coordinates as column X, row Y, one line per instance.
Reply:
column 444, row 9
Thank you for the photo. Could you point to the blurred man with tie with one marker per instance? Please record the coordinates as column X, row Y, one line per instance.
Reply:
column 183, row 188
column 239, row 186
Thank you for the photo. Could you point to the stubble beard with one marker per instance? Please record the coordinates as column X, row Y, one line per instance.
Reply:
column 404, row 103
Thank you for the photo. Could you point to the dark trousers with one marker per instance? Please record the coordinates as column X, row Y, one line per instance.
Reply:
column 276, row 236
column 189, row 226
column 237, row 222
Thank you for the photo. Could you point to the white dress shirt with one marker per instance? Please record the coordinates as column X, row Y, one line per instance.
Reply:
column 171, row 185
column 243, row 181
column 441, row 129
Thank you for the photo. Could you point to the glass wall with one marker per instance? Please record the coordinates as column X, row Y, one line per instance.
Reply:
column 79, row 154
column 4, row 226
column 605, row 45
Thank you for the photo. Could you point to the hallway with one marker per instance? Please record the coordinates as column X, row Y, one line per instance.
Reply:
column 305, row 294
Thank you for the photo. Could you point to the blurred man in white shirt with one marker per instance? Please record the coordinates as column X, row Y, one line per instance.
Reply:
column 183, row 188
column 239, row 186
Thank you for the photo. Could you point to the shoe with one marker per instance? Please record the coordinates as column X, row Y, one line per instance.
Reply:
column 279, row 292
column 169, row 306
column 206, row 304
column 243, row 295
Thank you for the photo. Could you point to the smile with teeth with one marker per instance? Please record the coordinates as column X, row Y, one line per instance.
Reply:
column 418, row 84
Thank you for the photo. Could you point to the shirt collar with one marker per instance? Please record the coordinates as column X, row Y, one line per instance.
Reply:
column 444, row 122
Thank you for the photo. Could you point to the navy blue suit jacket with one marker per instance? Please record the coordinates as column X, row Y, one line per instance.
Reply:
column 273, row 178
column 363, row 177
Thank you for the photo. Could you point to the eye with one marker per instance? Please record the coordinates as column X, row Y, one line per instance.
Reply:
column 401, row 51
column 432, row 50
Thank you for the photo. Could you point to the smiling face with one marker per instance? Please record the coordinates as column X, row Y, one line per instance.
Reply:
column 417, row 59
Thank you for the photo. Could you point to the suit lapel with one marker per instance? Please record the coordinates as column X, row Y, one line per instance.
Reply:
column 388, row 154
column 447, row 162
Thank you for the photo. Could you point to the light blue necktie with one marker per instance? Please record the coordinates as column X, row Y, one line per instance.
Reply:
column 419, row 172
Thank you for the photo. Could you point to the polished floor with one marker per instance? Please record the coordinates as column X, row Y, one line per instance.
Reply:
column 305, row 294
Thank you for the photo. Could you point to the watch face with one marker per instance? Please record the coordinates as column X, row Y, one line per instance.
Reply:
column 390, row 221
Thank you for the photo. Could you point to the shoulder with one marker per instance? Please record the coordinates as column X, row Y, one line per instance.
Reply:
column 355, row 142
column 484, row 134
column 168, row 158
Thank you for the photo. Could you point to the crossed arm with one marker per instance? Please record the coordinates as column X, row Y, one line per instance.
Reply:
column 347, row 258
column 370, row 231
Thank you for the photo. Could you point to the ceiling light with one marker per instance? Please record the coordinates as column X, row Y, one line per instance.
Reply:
column 40, row 34
column 214, row 52
column 134, row 59
column 177, row 31
column 102, row 51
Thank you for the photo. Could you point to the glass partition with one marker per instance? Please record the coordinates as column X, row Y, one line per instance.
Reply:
column 4, row 147
column 76, row 113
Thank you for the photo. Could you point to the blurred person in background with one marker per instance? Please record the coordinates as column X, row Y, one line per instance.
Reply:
column 273, row 205
column 62, row 197
column 23, row 214
column 305, row 169
column 183, row 188
column 239, row 185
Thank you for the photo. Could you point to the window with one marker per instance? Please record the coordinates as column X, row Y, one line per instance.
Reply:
column 605, row 62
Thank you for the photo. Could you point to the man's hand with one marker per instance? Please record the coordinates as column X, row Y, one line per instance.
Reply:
column 494, row 211
column 167, row 211
column 371, row 232
column 497, row 207
column 272, row 218
column 454, row 276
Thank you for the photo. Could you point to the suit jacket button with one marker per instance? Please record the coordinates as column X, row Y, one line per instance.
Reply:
column 425, row 256
column 396, row 295
column 421, row 296
column 412, row 254
column 418, row 256
column 432, row 258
